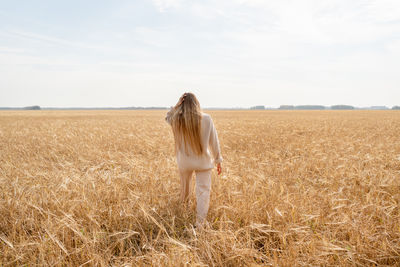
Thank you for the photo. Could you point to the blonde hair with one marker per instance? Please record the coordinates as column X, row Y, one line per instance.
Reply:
column 186, row 124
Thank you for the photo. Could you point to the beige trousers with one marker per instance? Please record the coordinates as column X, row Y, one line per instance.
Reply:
column 203, row 187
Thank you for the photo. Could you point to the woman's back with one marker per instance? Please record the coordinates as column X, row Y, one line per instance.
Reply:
column 188, row 159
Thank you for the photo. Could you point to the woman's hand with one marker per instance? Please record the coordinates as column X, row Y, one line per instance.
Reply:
column 180, row 101
column 219, row 168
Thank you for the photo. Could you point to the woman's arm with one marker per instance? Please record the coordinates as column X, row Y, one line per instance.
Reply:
column 214, row 145
column 168, row 117
column 170, row 113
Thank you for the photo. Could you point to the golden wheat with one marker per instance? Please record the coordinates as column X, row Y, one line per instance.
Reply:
column 298, row 188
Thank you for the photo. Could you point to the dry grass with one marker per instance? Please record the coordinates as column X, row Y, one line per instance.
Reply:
column 298, row 188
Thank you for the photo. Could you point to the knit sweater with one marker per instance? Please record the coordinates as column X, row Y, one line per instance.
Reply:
column 209, row 140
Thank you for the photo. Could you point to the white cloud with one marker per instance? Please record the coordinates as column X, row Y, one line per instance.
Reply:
column 163, row 5
column 50, row 40
column 393, row 50
column 383, row 11
column 5, row 49
column 153, row 37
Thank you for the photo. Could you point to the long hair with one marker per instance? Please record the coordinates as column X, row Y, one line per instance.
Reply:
column 186, row 124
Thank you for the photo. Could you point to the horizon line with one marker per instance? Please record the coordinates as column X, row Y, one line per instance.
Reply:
column 256, row 107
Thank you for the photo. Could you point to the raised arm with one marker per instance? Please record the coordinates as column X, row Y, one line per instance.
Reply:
column 168, row 117
column 170, row 113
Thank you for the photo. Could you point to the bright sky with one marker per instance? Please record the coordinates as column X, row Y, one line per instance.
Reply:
column 230, row 53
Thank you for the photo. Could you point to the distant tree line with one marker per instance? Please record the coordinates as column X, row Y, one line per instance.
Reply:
column 342, row 107
column 82, row 108
column 302, row 107
column 108, row 108
column 258, row 107
column 24, row 108
column 32, row 108
column 334, row 107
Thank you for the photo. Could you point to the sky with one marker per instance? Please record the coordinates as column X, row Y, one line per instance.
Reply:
column 230, row 53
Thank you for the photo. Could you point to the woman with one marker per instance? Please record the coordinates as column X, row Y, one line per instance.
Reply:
column 195, row 136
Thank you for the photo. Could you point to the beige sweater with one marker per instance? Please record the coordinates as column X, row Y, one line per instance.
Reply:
column 209, row 140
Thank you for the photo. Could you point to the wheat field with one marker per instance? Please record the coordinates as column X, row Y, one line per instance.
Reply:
column 298, row 188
